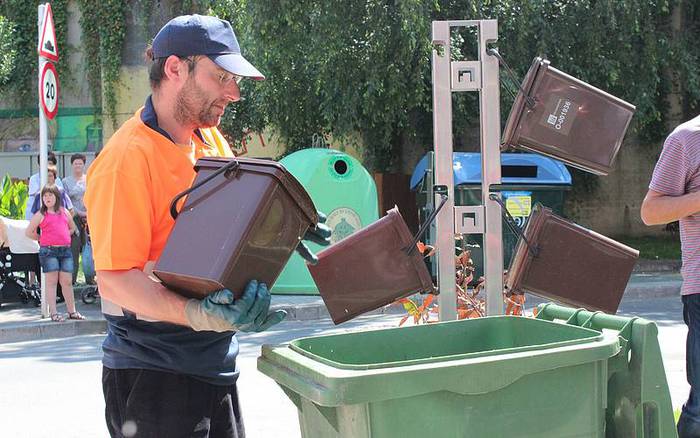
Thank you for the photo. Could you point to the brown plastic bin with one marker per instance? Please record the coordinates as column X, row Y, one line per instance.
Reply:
column 371, row 268
column 241, row 224
column 571, row 264
column 560, row 116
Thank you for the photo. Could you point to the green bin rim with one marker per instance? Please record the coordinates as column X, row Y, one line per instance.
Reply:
column 594, row 335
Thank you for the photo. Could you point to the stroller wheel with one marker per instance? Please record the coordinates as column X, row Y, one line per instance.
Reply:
column 88, row 295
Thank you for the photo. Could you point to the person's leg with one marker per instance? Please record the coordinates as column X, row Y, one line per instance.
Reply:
column 147, row 403
column 75, row 248
column 227, row 420
column 689, row 421
column 50, row 265
column 65, row 279
column 51, row 279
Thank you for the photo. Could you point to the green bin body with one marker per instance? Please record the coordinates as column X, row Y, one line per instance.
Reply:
column 526, row 178
column 498, row 376
column 341, row 188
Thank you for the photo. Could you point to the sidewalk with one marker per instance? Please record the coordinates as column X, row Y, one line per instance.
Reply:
column 23, row 322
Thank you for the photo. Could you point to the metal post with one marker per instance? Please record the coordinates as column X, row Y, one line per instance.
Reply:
column 457, row 76
column 43, row 149
column 442, row 132
column 489, row 109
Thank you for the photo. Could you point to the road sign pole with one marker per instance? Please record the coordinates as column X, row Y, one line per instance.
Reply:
column 43, row 151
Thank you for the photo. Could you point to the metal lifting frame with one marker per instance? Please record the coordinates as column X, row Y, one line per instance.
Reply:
column 458, row 76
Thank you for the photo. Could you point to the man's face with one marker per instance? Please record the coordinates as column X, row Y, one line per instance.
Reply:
column 203, row 98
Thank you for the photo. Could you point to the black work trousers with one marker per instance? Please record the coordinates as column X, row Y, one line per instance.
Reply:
column 150, row 404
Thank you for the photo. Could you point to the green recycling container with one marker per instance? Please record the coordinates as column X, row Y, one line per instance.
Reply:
column 499, row 376
column 341, row 188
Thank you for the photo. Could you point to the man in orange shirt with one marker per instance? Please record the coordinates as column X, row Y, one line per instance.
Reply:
column 169, row 362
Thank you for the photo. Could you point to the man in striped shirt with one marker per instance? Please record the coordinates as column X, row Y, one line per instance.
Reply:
column 674, row 195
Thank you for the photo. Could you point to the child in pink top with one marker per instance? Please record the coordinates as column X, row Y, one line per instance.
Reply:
column 56, row 226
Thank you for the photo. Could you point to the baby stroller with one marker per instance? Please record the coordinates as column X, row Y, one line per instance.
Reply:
column 19, row 256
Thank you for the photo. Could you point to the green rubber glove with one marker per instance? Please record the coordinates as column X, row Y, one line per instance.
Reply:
column 320, row 234
column 221, row 312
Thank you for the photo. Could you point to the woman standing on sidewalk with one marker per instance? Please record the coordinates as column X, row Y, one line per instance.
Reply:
column 56, row 226
column 75, row 188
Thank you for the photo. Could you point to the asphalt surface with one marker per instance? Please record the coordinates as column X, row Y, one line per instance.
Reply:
column 50, row 375
column 51, row 387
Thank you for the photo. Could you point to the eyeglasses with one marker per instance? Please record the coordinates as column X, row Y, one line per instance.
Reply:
column 222, row 76
column 225, row 78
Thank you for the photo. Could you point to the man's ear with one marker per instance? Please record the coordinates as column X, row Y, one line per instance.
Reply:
column 176, row 69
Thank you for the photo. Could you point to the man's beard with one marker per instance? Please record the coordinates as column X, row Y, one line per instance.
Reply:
column 191, row 107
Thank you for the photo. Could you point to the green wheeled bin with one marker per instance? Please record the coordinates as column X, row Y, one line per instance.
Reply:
column 500, row 376
column 341, row 188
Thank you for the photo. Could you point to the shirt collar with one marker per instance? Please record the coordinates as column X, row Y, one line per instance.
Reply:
column 150, row 119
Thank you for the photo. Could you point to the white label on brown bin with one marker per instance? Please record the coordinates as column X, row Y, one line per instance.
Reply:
column 559, row 114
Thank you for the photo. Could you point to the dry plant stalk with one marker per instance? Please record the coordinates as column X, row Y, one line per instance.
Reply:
column 469, row 302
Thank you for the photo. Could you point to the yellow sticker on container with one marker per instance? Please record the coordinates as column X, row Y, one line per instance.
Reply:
column 519, row 205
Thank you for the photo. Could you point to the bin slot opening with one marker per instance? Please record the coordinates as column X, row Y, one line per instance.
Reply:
column 518, row 171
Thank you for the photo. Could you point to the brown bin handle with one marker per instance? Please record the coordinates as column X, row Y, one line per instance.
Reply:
column 529, row 101
column 229, row 169
column 412, row 247
column 512, row 225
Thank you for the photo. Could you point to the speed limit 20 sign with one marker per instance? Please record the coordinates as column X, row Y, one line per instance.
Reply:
column 48, row 89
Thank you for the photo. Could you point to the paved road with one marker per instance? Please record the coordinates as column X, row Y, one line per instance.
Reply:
column 51, row 388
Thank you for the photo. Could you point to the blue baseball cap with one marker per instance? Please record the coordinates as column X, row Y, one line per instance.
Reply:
column 190, row 35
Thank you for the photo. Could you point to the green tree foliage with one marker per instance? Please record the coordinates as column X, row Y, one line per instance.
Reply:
column 7, row 50
column 23, row 15
column 619, row 46
column 13, row 198
column 338, row 67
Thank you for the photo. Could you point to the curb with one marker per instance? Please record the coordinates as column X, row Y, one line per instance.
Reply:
column 659, row 266
column 659, row 289
column 50, row 330
column 42, row 330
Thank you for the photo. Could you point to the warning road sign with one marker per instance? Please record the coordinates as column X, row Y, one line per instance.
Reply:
column 49, row 90
column 47, row 42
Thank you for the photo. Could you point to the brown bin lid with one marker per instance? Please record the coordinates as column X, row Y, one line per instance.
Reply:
column 370, row 269
column 573, row 265
column 590, row 141
column 274, row 169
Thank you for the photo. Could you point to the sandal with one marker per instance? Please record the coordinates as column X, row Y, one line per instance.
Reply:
column 76, row 315
column 56, row 317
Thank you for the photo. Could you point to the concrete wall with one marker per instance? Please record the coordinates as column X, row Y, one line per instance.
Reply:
column 612, row 208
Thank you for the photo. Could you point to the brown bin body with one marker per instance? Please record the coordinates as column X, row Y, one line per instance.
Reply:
column 570, row 120
column 370, row 269
column 241, row 225
column 574, row 265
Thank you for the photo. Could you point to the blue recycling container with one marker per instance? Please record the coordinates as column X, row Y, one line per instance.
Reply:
column 526, row 179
